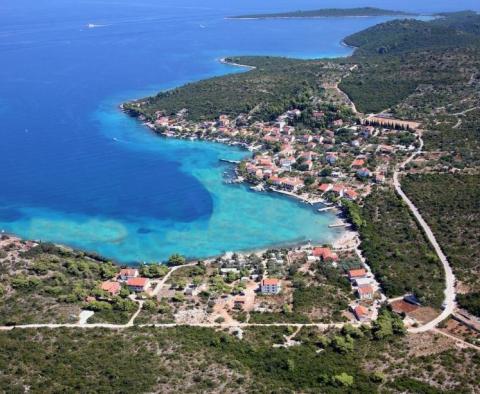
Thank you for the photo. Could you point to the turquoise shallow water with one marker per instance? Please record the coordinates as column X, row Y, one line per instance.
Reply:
column 240, row 219
column 75, row 170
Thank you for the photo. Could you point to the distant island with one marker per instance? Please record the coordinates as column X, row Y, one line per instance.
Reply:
column 327, row 13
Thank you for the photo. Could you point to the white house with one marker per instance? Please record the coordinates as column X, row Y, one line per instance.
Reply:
column 270, row 286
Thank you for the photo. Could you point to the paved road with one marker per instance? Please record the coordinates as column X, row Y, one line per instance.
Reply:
column 449, row 301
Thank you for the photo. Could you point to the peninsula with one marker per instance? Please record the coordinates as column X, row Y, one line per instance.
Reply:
column 327, row 13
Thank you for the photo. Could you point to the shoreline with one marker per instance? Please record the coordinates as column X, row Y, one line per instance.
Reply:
column 347, row 234
column 224, row 60
column 322, row 17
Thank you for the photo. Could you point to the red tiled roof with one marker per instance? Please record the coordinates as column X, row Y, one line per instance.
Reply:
column 351, row 193
column 360, row 311
column 358, row 163
column 325, row 253
column 357, row 273
column 137, row 282
column 365, row 290
column 324, row 187
column 111, row 287
column 270, row 282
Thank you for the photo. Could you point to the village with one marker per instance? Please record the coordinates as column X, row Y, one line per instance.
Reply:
column 257, row 287
column 318, row 154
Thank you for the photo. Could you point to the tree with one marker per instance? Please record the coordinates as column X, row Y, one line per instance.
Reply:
column 175, row 260
column 343, row 379
column 150, row 306
column 342, row 344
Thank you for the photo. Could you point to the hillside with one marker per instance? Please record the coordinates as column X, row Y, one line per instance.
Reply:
column 264, row 92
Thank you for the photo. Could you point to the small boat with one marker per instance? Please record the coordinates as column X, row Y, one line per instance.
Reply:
column 115, row 138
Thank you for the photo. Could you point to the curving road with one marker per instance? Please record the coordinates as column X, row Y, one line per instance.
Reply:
column 449, row 302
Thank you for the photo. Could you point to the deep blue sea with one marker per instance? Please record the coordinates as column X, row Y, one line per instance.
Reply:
column 75, row 170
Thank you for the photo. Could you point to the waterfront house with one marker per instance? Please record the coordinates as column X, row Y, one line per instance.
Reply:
column 339, row 189
column 223, row 121
column 325, row 187
column 113, row 288
column 350, row 194
column 292, row 184
column 325, row 254
column 270, row 286
column 138, row 284
column 365, row 292
column 357, row 273
column 128, row 273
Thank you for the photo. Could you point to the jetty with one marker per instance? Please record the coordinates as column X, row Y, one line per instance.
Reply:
column 230, row 161
column 339, row 224
column 325, row 209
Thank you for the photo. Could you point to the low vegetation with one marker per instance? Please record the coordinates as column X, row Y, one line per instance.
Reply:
column 273, row 86
column 45, row 283
column 397, row 251
column 450, row 203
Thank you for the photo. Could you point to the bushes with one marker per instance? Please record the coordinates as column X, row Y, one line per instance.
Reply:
column 175, row 259
column 25, row 283
column 450, row 203
column 397, row 250
column 353, row 213
column 471, row 302
column 274, row 86
column 387, row 325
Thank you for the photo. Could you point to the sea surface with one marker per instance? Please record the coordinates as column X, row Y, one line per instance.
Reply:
column 75, row 170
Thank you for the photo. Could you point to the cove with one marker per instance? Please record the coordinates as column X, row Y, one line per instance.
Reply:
column 75, row 170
